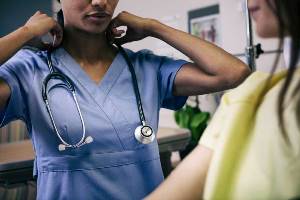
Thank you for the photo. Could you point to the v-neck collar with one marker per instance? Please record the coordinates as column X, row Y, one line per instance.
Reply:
column 107, row 81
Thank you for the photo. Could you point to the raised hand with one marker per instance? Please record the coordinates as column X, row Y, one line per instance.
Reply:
column 40, row 24
column 137, row 28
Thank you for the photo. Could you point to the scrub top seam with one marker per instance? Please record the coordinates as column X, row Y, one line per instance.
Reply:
column 105, row 167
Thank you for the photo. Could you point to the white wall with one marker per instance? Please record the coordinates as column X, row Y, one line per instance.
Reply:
column 174, row 13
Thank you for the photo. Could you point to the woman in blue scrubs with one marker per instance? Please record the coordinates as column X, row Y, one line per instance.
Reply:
column 114, row 165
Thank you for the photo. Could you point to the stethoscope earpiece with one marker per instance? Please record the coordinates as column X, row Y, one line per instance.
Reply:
column 61, row 147
column 87, row 140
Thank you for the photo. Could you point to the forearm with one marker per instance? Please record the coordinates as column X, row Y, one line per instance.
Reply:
column 188, row 179
column 12, row 42
column 208, row 57
column 4, row 94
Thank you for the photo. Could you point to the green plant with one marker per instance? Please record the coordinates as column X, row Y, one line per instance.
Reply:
column 193, row 119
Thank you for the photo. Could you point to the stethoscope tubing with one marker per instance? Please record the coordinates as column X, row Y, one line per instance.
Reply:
column 67, row 82
column 78, row 144
column 135, row 85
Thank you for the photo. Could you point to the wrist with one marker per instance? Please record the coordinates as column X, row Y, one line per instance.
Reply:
column 26, row 33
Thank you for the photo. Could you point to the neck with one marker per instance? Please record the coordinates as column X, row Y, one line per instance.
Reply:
column 86, row 47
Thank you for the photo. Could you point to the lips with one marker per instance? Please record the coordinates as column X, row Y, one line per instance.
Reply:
column 253, row 11
column 253, row 8
column 98, row 14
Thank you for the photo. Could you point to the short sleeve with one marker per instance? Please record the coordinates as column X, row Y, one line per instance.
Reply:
column 17, row 73
column 167, row 73
column 162, row 71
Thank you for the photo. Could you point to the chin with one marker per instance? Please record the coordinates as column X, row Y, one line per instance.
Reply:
column 95, row 30
column 267, row 32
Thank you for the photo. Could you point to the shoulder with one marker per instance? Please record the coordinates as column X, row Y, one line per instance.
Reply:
column 144, row 55
column 25, row 59
column 138, row 53
column 26, row 55
column 148, row 57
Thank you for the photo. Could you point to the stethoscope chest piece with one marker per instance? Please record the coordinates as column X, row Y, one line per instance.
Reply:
column 144, row 134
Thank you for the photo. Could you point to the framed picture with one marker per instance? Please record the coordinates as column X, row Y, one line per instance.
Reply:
column 205, row 23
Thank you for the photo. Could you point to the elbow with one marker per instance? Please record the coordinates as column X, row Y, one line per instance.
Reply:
column 243, row 71
column 237, row 76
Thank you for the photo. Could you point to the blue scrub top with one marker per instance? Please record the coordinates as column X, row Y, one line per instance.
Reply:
column 115, row 165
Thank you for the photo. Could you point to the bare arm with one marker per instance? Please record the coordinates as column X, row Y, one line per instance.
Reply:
column 11, row 43
column 213, row 69
column 38, row 25
column 4, row 94
column 188, row 179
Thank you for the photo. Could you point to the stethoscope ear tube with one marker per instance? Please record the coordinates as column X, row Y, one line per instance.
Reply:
column 56, row 75
column 135, row 85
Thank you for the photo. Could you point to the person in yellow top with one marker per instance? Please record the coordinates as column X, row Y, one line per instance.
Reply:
column 251, row 149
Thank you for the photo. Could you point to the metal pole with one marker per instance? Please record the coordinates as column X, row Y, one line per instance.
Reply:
column 250, row 49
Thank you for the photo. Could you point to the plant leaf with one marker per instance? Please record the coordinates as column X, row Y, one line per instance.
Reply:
column 198, row 125
column 199, row 118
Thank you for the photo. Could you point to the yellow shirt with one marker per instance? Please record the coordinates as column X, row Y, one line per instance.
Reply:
column 251, row 158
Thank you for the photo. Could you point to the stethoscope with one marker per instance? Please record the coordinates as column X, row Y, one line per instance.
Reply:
column 143, row 133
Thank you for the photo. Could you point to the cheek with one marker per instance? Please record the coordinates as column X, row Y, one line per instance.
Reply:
column 73, row 18
column 267, row 24
column 72, row 12
column 267, row 29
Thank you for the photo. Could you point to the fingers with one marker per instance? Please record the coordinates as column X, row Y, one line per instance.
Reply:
column 123, row 19
column 55, row 30
column 119, row 20
column 122, row 40
column 113, row 32
column 37, row 13
column 116, row 33
column 46, row 30
column 40, row 15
